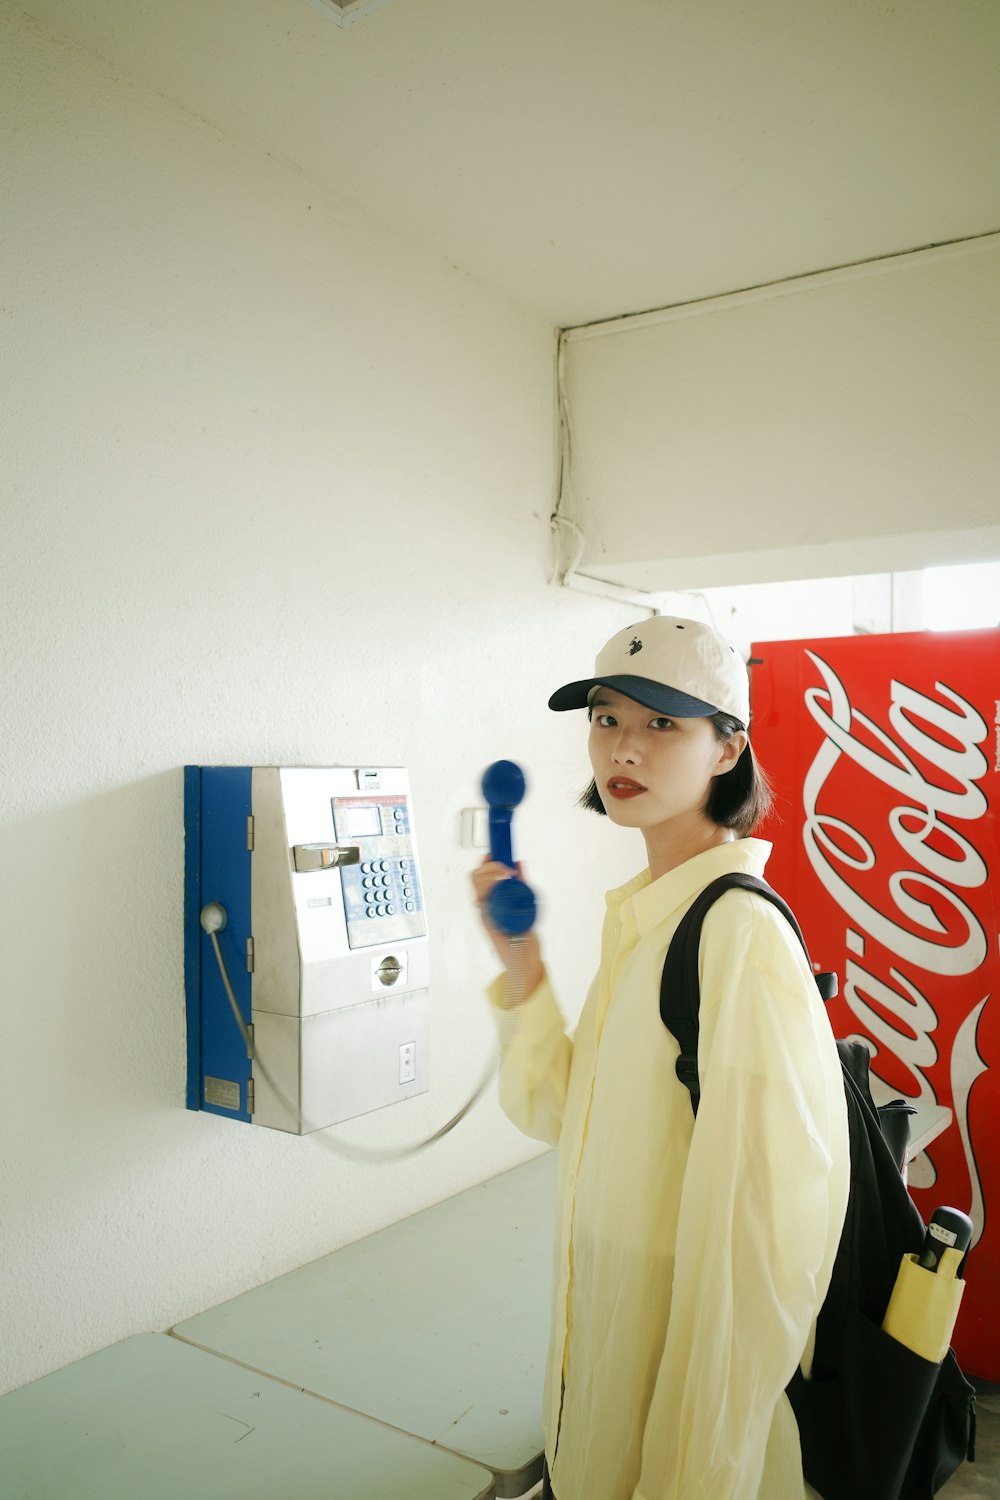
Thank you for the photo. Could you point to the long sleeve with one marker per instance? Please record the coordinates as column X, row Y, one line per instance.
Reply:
column 535, row 1066
column 760, row 1215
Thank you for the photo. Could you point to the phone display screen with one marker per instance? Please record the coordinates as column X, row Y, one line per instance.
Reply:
column 363, row 822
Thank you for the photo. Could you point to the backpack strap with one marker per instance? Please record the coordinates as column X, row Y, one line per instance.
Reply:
column 680, row 988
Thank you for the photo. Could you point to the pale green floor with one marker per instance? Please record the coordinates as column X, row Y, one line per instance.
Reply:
column 981, row 1480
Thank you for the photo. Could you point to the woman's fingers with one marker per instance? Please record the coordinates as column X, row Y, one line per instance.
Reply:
column 486, row 876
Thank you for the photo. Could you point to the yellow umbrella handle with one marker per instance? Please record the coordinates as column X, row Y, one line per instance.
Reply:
column 924, row 1305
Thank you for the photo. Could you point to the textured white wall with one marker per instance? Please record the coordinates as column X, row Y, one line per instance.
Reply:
column 838, row 425
column 277, row 492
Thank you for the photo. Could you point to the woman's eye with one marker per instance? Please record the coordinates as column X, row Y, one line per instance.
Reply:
column 663, row 723
column 606, row 721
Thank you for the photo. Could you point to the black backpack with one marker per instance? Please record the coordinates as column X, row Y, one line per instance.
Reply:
column 876, row 1421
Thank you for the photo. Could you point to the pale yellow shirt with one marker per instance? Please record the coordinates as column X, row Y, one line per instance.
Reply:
column 690, row 1260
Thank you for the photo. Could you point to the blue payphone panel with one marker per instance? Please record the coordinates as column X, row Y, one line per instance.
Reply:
column 217, row 810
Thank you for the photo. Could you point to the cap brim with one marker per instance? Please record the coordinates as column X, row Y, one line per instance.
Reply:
column 666, row 700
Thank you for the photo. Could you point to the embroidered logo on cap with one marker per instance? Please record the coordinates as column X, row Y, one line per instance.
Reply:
column 634, row 646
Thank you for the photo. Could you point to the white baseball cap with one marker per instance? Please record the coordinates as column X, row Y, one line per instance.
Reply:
column 678, row 667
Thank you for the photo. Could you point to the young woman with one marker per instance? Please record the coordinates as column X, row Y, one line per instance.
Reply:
column 691, row 1257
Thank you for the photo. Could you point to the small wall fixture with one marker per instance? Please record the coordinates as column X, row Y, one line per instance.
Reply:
column 345, row 12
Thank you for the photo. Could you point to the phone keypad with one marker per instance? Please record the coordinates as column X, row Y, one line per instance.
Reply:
column 383, row 901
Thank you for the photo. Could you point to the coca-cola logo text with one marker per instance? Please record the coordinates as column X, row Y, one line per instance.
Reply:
column 920, row 911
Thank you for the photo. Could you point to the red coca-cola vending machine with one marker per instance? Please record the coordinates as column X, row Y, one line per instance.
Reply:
column 884, row 752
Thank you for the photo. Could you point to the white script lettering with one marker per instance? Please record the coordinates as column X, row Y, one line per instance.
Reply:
column 925, row 802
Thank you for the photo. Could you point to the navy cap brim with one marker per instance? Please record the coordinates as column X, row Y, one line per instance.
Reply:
column 665, row 700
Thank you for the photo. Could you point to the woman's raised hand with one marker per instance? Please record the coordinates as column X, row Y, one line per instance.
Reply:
column 521, row 956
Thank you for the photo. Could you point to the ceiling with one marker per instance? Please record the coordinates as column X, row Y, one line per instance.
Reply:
column 590, row 158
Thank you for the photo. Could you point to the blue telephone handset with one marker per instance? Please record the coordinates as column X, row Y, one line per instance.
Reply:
column 511, row 903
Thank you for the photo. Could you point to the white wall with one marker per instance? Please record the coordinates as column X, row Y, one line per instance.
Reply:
column 841, row 424
column 277, row 492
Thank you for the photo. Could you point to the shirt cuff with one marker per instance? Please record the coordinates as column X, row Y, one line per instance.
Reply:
column 498, row 994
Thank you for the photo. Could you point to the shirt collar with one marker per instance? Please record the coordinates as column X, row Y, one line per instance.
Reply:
column 654, row 900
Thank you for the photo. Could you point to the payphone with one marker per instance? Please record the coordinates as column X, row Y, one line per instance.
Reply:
column 303, row 900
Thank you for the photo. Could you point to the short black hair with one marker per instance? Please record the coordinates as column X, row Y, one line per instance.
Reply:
column 738, row 800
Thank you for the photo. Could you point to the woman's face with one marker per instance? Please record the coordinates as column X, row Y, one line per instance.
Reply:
column 651, row 769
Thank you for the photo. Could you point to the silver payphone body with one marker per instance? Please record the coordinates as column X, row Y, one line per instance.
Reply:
column 325, row 943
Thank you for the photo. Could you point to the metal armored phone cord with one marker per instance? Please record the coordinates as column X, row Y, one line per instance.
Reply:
column 213, row 920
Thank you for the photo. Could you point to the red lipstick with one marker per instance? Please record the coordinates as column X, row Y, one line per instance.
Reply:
column 623, row 786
